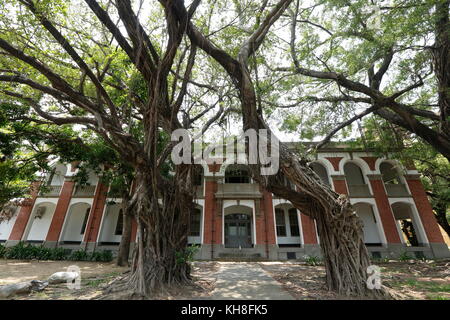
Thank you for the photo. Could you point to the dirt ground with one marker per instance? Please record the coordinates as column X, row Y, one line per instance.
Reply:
column 413, row 280
column 423, row 280
column 13, row 271
column 95, row 277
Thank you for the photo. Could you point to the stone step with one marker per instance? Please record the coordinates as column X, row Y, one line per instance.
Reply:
column 240, row 256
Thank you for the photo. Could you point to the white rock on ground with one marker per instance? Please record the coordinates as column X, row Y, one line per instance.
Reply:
column 60, row 277
column 22, row 288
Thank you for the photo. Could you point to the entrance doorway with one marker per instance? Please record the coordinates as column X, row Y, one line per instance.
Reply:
column 238, row 230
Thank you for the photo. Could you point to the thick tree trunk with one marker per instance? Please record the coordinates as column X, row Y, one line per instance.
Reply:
column 162, row 217
column 340, row 229
column 345, row 256
column 128, row 216
column 125, row 241
column 441, row 63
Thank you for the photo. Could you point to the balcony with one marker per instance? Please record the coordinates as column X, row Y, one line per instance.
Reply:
column 84, row 191
column 50, row 191
column 359, row 191
column 396, row 190
column 238, row 190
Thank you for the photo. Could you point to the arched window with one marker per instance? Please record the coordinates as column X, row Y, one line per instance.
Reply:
column 356, row 184
column 353, row 174
column 321, row 172
column 390, row 174
column 407, row 224
column 392, row 181
column 237, row 174
column 287, row 225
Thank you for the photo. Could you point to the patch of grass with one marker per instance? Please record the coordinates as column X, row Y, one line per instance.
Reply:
column 436, row 297
column 41, row 295
column 436, row 287
column 96, row 282
column 312, row 260
column 429, row 286
column 106, row 278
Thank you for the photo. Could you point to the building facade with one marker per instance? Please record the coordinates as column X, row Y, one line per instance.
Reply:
column 235, row 217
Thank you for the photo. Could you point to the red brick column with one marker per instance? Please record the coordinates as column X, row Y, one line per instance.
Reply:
column 309, row 229
column 60, row 211
column 24, row 214
column 384, row 209
column 95, row 216
column 264, row 212
column 260, row 222
column 424, row 208
column 210, row 205
column 340, row 186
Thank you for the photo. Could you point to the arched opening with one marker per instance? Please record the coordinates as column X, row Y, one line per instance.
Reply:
column 195, row 226
column 76, row 221
column 371, row 229
column 392, row 180
column 238, row 226
column 237, row 173
column 356, row 184
column 39, row 222
column 287, row 225
column 321, row 171
column 111, row 229
column 407, row 224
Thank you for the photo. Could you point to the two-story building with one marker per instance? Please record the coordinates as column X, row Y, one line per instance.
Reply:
column 234, row 216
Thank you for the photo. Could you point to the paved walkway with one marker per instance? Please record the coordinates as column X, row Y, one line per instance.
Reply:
column 247, row 281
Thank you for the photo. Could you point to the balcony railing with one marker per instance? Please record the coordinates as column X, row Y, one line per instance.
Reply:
column 50, row 191
column 359, row 190
column 84, row 191
column 396, row 190
column 238, row 190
